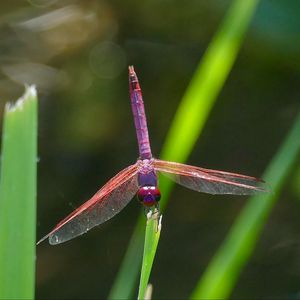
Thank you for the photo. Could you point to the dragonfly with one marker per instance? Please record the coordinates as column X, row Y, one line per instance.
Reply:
column 141, row 179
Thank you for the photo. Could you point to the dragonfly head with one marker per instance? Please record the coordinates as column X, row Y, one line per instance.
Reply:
column 148, row 195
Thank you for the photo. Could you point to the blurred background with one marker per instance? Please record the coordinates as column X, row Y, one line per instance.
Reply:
column 77, row 53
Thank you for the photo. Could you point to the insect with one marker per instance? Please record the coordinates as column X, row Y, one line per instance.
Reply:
column 141, row 179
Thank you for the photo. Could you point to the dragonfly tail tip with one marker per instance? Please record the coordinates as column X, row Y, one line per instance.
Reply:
column 131, row 69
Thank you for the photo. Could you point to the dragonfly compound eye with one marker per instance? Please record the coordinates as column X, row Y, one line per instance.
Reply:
column 148, row 195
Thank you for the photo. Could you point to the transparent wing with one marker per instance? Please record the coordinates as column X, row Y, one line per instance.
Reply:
column 210, row 181
column 106, row 203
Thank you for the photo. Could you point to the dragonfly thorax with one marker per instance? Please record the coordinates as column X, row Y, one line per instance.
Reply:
column 148, row 195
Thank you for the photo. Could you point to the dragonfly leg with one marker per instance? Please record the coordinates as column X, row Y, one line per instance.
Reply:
column 157, row 216
column 157, row 207
column 147, row 212
column 154, row 213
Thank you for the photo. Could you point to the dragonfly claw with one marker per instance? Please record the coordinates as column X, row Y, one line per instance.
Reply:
column 149, row 214
column 159, row 223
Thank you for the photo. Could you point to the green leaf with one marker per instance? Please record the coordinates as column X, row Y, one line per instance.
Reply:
column 208, row 80
column 18, row 198
column 225, row 268
column 153, row 229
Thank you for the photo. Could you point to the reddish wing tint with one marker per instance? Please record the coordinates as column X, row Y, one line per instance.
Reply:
column 106, row 203
column 210, row 181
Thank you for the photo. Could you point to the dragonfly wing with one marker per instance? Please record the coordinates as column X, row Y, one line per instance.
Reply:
column 210, row 181
column 106, row 203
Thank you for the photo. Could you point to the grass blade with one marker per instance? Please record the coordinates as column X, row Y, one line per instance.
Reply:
column 18, row 198
column 222, row 273
column 207, row 82
column 153, row 229
column 192, row 114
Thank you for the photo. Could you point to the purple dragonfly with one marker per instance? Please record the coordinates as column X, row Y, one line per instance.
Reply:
column 141, row 179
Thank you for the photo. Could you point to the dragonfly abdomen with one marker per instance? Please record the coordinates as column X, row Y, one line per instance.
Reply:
column 139, row 115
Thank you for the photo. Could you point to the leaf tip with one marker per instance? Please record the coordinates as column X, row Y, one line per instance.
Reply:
column 30, row 93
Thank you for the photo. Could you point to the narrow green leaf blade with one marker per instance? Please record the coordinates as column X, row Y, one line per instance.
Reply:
column 18, row 198
column 222, row 273
column 207, row 82
column 153, row 229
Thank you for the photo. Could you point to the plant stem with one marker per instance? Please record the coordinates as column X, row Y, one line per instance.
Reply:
column 153, row 229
